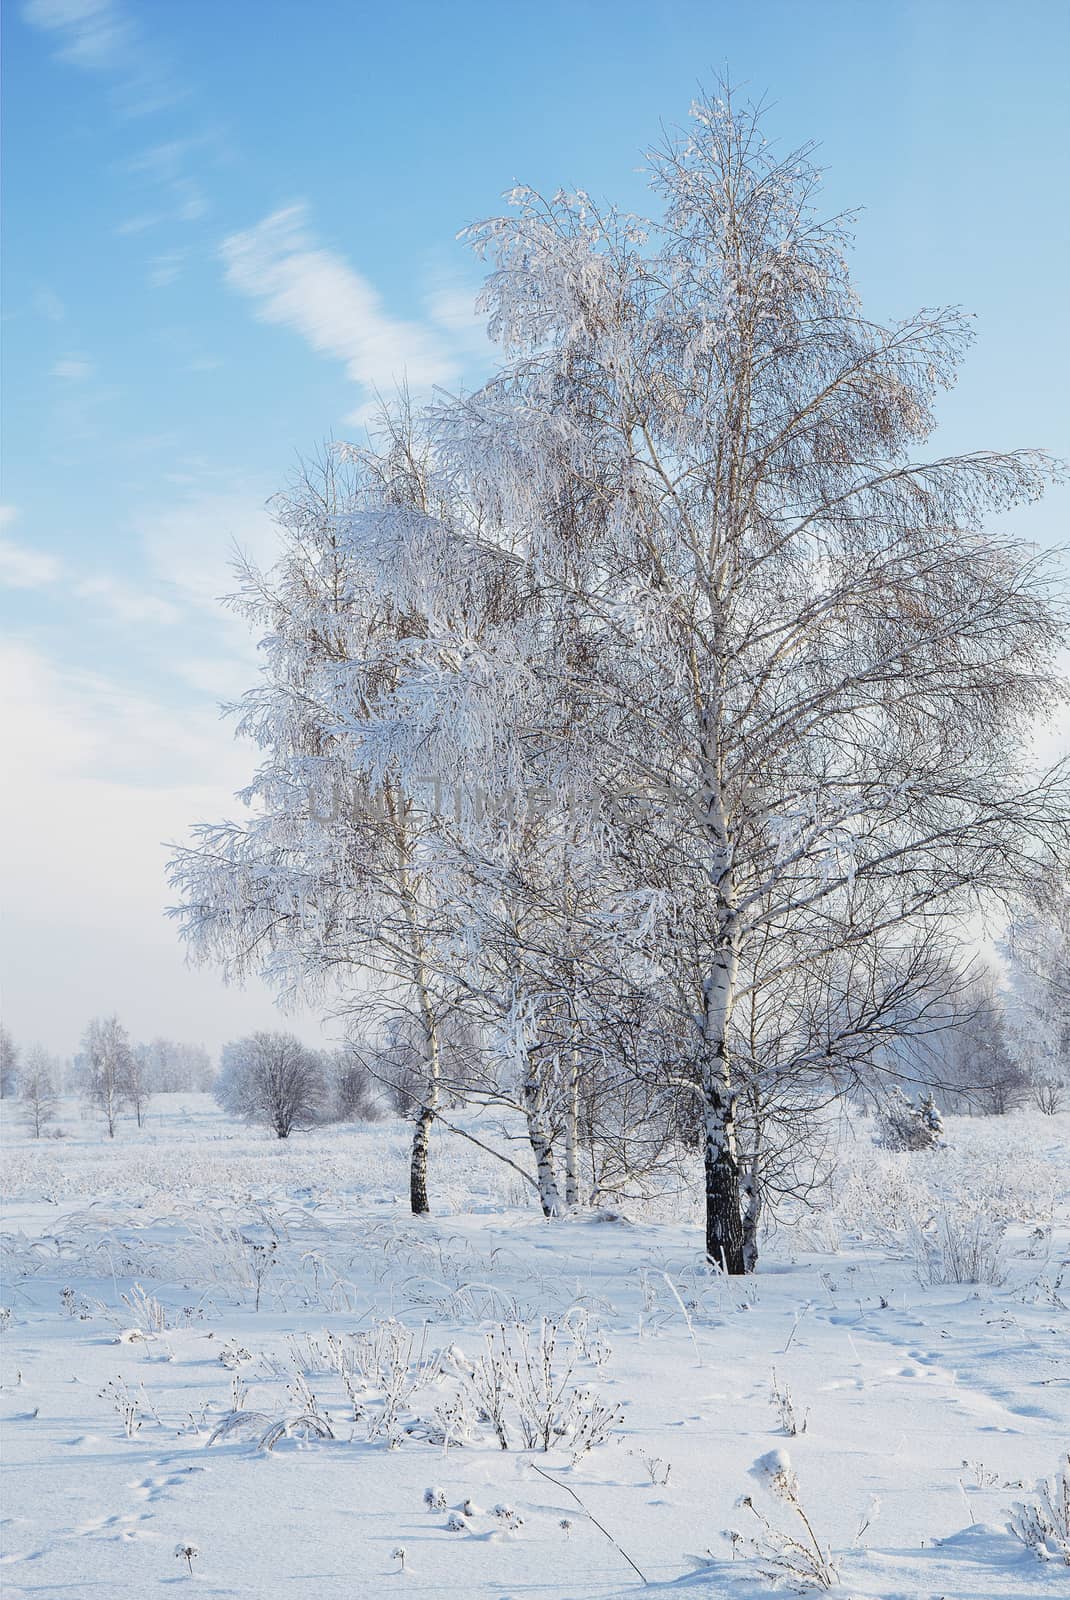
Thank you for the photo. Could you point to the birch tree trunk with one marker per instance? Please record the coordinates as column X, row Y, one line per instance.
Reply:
column 724, row 1218
column 421, row 1137
column 752, row 1213
column 541, row 1145
column 572, row 1131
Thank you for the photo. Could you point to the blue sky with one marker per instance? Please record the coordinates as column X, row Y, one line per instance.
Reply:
column 226, row 224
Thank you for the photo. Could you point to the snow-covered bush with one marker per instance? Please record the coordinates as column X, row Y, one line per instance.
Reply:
column 961, row 1243
column 800, row 1559
column 301, row 1418
column 150, row 1316
column 902, row 1125
column 1043, row 1523
column 1049, row 1093
column 522, row 1389
column 271, row 1078
column 133, row 1407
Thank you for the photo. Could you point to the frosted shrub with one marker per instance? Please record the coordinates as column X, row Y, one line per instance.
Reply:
column 902, row 1125
column 591, row 1344
column 240, row 1423
column 455, row 1421
column 1049, row 1095
column 1043, row 1523
column 391, row 1364
column 780, row 1398
column 941, row 1206
column 961, row 1243
column 262, row 1257
column 150, row 1317
column 520, row 1387
column 800, row 1558
column 381, row 1370
column 132, row 1408
column 234, row 1355
column 520, row 1392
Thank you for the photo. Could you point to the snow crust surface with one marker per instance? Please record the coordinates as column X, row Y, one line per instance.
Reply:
column 924, row 1409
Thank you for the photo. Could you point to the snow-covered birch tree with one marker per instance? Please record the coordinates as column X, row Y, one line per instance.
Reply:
column 683, row 570
column 809, row 664
column 37, row 1090
column 108, row 1055
column 326, row 886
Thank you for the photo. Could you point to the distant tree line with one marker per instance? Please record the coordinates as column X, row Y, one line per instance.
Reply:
column 109, row 1072
column 270, row 1078
column 1007, row 1043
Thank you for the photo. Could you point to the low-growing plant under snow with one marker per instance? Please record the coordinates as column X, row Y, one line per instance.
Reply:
column 783, row 1553
column 1043, row 1523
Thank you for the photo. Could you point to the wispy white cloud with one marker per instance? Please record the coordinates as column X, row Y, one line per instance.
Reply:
column 139, row 223
column 166, row 268
column 22, row 567
column 47, row 303
column 106, row 37
column 297, row 283
column 190, row 203
column 73, row 369
column 88, row 33
column 127, row 601
column 451, row 306
column 161, row 162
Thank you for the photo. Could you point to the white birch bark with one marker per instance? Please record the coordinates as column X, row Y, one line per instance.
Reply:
column 541, row 1144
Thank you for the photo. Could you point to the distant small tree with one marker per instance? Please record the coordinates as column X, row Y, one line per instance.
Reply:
column 1049, row 1095
column 170, row 1067
column 1038, row 961
column 37, row 1088
column 272, row 1078
column 194, row 1065
column 138, row 1082
column 108, row 1060
column 355, row 1091
column 9, row 1065
column 976, row 1069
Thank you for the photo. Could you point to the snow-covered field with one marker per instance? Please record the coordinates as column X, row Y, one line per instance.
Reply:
column 142, row 1386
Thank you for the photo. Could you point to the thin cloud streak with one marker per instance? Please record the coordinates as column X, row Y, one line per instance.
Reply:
column 298, row 284
column 22, row 568
column 93, row 34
